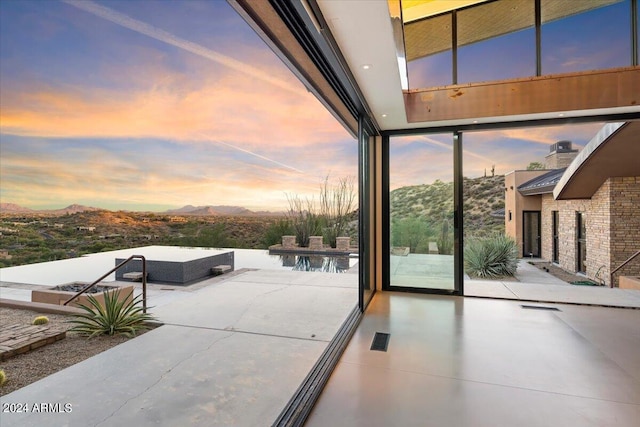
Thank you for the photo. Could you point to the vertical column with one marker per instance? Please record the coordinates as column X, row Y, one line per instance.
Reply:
column 458, row 241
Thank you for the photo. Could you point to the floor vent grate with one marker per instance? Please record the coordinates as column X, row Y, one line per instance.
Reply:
column 540, row 307
column 380, row 341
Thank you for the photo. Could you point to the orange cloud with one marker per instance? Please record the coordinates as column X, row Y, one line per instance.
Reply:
column 234, row 108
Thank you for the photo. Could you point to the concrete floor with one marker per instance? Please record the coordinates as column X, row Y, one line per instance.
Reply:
column 230, row 354
column 454, row 361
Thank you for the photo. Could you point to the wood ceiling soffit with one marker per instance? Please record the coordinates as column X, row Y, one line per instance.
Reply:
column 612, row 88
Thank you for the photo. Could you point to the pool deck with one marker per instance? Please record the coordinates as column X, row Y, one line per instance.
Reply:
column 233, row 349
column 230, row 353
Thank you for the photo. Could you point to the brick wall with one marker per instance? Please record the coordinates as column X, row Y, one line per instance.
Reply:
column 557, row 160
column 567, row 229
column 625, row 224
column 612, row 218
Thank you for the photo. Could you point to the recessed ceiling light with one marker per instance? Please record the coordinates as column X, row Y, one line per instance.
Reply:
column 561, row 115
column 475, row 121
column 384, row 115
column 366, row 66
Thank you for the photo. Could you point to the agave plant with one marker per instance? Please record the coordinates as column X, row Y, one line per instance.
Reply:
column 491, row 257
column 118, row 316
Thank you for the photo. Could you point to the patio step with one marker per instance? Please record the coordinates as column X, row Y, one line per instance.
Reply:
column 220, row 269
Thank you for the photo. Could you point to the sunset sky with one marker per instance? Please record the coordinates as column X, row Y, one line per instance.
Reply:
column 151, row 105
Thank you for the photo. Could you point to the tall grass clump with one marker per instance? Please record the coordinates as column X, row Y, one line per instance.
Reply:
column 337, row 202
column 304, row 219
column 118, row 316
column 491, row 257
column 274, row 232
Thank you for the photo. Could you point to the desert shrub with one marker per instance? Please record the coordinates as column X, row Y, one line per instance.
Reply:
column 413, row 232
column 40, row 320
column 489, row 257
column 445, row 239
column 274, row 232
column 337, row 202
column 116, row 317
column 304, row 219
column 3, row 377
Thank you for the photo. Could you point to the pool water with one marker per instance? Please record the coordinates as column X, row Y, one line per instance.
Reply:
column 89, row 267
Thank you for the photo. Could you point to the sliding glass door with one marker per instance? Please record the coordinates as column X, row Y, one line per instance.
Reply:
column 421, row 212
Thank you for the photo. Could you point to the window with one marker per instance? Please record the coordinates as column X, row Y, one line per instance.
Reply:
column 496, row 41
column 555, row 226
column 429, row 52
column 581, row 36
column 581, row 253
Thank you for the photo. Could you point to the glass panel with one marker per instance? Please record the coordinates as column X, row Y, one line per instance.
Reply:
column 585, row 35
column 429, row 55
column 500, row 168
column 367, row 261
column 496, row 41
column 555, row 225
column 421, row 211
column 582, row 240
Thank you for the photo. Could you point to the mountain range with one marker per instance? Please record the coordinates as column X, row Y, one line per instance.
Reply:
column 13, row 208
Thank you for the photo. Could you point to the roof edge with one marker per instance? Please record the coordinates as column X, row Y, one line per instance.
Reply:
column 605, row 133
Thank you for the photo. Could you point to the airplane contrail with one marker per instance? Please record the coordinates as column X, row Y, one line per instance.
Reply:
column 166, row 37
column 260, row 156
column 450, row 147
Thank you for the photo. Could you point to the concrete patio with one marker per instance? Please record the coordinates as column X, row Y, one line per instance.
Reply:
column 529, row 284
column 230, row 353
column 536, row 285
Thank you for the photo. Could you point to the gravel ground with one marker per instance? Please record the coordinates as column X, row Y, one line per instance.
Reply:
column 27, row 368
column 559, row 272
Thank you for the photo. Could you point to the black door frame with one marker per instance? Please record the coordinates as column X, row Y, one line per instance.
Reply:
column 525, row 234
column 458, row 232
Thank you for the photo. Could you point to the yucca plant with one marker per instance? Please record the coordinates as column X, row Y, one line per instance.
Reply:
column 116, row 317
column 491, row 257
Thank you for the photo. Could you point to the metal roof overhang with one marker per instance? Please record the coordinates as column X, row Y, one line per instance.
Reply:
column 613, row 152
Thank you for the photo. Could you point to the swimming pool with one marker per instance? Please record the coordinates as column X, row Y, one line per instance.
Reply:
column 89, row 267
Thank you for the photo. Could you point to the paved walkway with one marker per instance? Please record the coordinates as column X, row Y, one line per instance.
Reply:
column 536, row 285
column 231, row 353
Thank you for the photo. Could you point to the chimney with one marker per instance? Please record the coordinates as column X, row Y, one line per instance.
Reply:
column 560, row 155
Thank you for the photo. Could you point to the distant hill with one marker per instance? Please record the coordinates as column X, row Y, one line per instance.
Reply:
column 13, row 208
column 222, row 210
column 210, row 210
column 71, row 209
column 481, row 196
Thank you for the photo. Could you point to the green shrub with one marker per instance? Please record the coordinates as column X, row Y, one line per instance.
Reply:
column 304, row 219
column 273, row 234
column 116, row 317
column 412, row 232
column 3, row 377
column 40, row 320
column 490, row 257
